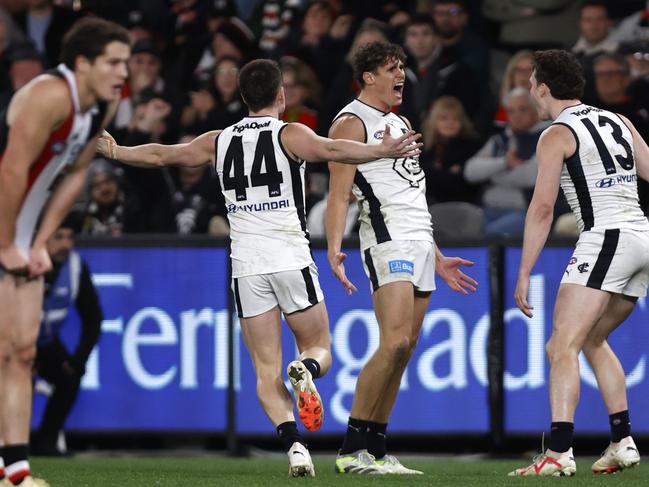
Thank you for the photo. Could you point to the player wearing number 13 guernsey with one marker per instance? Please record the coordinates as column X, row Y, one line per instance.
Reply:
column 596, row 157
column 260, row 162
column 397, row 249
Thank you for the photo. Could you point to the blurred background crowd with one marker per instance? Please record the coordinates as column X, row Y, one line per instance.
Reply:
column 467, row 91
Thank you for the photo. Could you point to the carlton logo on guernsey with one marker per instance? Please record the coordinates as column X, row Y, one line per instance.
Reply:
column 391, row 192
column 60, row 151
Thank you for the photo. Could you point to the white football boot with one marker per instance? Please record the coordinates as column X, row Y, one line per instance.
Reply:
column 618, row 456
column 549, row 464
column 359, row 462
column 299, row 461
column 394, row 466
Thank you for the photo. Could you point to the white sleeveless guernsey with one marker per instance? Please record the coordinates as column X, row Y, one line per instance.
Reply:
column 391, row 193
column 264, row 195
column 61, row 150
column 600, row 179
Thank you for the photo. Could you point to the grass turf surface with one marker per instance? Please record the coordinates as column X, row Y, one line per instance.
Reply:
column 203, row 471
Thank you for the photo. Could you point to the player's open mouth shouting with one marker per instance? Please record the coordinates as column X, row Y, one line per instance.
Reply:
column 398, row 89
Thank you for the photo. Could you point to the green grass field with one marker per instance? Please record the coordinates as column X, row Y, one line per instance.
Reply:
column 169, row 471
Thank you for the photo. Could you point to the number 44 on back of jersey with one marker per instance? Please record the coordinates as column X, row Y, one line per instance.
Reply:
column 234, row 163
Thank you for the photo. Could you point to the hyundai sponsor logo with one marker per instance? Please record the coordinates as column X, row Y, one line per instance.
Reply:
column 265, row 206
column 620, row 179
column 605, row 183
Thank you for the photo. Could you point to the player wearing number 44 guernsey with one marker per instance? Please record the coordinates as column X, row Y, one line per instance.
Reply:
column 260, row 163
column 397, row 249
column 595, row 156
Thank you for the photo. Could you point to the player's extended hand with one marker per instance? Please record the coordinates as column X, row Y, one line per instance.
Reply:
column 448, row 269
column 404, row 146
column 14, row 261
column 338, row 268
column 39, row 261
column 520, row 295
column 106, row 145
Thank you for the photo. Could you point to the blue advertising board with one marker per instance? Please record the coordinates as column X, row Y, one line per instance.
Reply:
column 444, row 388
column 161, row 363
column 527, row 370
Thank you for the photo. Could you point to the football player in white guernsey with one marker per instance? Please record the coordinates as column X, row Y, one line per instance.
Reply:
column 50, row 128
column 260, row 163
column 595, row 156
column 398, row 252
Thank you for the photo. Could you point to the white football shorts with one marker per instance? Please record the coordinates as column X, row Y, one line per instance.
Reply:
column 614, row 260
column 401, row 260
column 292, row 291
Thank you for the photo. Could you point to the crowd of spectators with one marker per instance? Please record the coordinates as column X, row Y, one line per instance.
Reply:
column 467, row 89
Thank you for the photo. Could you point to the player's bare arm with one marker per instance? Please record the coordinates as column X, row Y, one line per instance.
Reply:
column 341, row 180
column 59, row 205
column 198, row 152
column 62, row 200
column 304, row 143
column 34, row 113
column 640, row 150
column 555, row 145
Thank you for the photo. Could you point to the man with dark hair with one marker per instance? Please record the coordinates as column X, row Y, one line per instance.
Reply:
column 596, row 157
column 397, row 247
column 436, row 70
column 67, row 285
column 423, row 47
column 260, row 164
column 86, row 38
column 419, row 39
column 559, row 70
column 595, row 28
column 259, row 83
column 49, row 129
column 462, row 65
